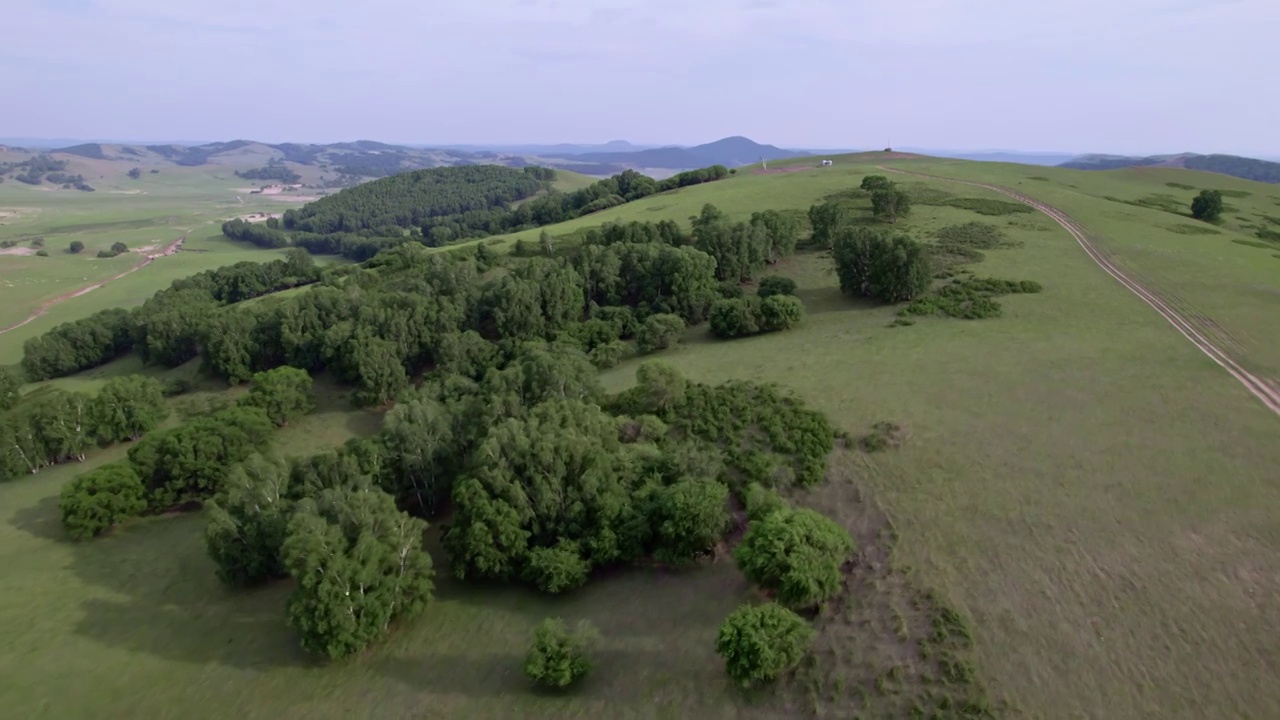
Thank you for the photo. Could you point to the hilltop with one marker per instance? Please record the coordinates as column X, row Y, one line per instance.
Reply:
column 1233, row 165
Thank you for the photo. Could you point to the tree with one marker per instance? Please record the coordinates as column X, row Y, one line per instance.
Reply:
column 735, row 318
column 780, row 312
column 284, row 393
column 1207, row 205
column 423, row 452
column 248, row 519
column 558, row 658
column 761, row 642
column 797, row 553
column 659, row 388
column 871, row 183
column 10, row 386
column 128, row 407
column 872, row 264
column 380, row 371
column 98, row 499
column 135, row 173
column 776, row 285
column 890, row 203
column 359, row 564
column 782, row 230
column 76, row 247
column 689, row 518
column 659, row 332
column 827, row 219
column 119, row 248
column 189, row 463
column 557, row 478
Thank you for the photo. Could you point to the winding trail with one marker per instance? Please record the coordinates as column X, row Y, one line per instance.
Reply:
column 1261, row 388
column 169, row 249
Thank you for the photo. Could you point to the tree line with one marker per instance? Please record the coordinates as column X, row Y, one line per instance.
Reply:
column 52, row 426
column 408, row 309
column 181, row 466
column 162, row 327
column 440, row 206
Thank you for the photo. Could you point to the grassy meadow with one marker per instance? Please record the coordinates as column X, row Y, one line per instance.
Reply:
column 1087, row 489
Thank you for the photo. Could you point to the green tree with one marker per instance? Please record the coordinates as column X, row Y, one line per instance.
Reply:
column 782, row 230
column 689, row 518
column 871, row 183
column 827, row 219
column 127, row 407
column 135, row 173
column 380, row 370
column 76, row 247
column 1207, row 205
column 735, row 318
column 119, row 248
column 872, row 264
column 558, row 658
column 359, row 565
column 659, row 332
column 759, row 643
column 797, row 553
column 776, row 285
column 284, row 393
column 780, row 312
column 424, row 452
column 98, row 499
column 10, row 386
column 659, row 389
column 248, row 519
column 557, row 476
column 890, row 203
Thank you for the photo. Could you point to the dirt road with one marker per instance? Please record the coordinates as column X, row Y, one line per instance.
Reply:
column 169, row 249
column 1261, row 388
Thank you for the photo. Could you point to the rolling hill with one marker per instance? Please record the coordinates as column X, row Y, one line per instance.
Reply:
column 1234, row 165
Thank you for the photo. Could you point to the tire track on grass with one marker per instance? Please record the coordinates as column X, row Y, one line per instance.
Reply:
column 44, row 307
column 1262, row 388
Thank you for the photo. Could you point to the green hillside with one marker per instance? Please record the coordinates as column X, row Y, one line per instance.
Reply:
column 1072, row 483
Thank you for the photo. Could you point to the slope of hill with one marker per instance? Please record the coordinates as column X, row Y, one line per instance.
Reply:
column 1234, row 165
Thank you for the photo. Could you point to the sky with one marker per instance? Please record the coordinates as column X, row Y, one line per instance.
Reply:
column 1122, row 76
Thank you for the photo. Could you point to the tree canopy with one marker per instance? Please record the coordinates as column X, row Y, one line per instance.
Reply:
column 1207, row 205
column 761, row 642
column 798, row 553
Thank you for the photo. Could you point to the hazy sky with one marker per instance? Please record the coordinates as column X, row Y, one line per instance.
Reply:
column 1073, row 75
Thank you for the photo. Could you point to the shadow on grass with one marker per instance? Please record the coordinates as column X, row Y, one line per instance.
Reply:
column 41, row 520
column 170, row 604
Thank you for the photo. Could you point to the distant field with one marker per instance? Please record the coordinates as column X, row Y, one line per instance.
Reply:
column 144, row 214
column 1090, row 490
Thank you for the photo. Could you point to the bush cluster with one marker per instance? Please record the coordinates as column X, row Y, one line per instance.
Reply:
column 752, row 314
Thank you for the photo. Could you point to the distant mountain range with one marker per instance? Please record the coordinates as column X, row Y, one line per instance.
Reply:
column 1234, row 165
column 345, row 163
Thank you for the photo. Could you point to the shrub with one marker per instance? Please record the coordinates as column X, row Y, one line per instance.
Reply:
column 761, row 642
column 659, row 332
column 688, row 519
column 42, row 253
column 558, row 658
column 37, row 242
column 890, row 203
column 608, row 355
column 735, row 318
column 730, row 289
column 796, row 552
column 985, row 206
column 970, row 298
column 283, row 393
column 780, row 312
column 76, row 247
column 776, row 285
column 557, row 569
column 100, row 498
column 119, row 248
column 761, row 501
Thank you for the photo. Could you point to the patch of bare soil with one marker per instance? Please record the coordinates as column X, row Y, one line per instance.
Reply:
column 17, row 251
column 258, row 217
column 885, row 648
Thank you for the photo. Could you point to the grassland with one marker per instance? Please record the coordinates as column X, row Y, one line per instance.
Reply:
column 145, row 214
column 1090, row 491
